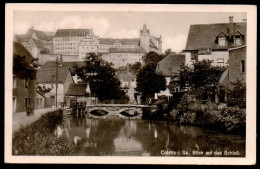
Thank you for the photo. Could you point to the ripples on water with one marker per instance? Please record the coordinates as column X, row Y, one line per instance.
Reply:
column 120, row 137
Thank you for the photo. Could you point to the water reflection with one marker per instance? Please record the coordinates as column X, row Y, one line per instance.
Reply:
column 105, row 137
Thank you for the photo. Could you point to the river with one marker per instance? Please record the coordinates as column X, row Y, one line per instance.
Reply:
column 126, row 137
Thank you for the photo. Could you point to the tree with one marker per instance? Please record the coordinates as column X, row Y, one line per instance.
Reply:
column 101, row 76
column 152, row 58
column 135, row 68
column 202, row 77
column 148, row 82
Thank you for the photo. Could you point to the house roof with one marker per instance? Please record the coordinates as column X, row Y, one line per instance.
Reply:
column 22, row 58
column 72, row 32
column 49, row 75
column 205, row 35
column 127, row 50
column 170, row 65
column 71, row 65
column 77, row 89
column 111, row 41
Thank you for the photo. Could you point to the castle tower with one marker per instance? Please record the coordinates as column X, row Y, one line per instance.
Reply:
column 144, row 38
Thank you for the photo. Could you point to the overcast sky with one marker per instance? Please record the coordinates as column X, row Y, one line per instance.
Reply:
column 173, row 26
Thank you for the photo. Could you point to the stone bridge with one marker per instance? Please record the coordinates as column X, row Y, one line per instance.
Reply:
column 121, row 110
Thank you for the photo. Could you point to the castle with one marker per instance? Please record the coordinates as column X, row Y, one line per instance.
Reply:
column 76, row 43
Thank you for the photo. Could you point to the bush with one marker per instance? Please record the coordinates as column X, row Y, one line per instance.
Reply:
column 237, row 95
column 38, row 138
column 233, row 119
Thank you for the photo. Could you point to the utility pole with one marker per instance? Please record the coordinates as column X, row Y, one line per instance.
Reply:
column 58, row 63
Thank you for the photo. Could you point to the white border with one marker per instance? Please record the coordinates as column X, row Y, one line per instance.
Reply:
column 251, row 84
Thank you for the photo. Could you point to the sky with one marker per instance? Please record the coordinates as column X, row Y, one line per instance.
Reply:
column 172, row 26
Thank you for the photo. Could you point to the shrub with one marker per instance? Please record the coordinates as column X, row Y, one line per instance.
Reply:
column 233, row 119
column 237, row 95
column 38, row 138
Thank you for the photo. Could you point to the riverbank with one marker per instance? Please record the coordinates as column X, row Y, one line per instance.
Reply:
column 219, row 117
column 20, row 119
column 38, row 138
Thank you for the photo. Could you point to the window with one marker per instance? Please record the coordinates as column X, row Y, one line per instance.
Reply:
column 26, row 82
column 220, row 61
column 242, row 66
column 237, row 40
column 14, row 82
column 222, row 41
column 27, row 101
column 194, row 56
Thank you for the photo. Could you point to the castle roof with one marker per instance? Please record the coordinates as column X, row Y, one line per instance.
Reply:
column 111, row 41
column 38, row 43
column 72, row 32
column 41, row 35
column 127, row 50
column 204, row 36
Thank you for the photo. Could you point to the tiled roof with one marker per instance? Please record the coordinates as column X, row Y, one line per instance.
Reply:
column 127, row 50
column 71, row 65
column 77, row 89
column 49, row 75
column 72, row 32
column 170, row 65
column 205, row 36
column 22, row 58
column 38, row 43
column 110, row 41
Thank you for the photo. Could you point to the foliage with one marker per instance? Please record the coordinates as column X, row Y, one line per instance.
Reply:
column 237, row 95
column 233, row 119
column 152, row 58
column 38, row 138
column 202, row 77
column 101, row 77
column 135, row 68
column 148, row 82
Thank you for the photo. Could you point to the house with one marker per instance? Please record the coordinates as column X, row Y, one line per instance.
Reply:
column 24, row 75
column 46, row 79
column 236, row 71
column 40, row 100
column 213, row 41
column 67, row 64
column 78, row 92
column 128, row 83
column 169, row 67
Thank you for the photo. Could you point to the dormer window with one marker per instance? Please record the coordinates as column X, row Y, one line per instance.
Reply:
column 222, row 39
column 237, row 37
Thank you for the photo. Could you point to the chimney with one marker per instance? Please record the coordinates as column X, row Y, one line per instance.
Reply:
column 231, row 25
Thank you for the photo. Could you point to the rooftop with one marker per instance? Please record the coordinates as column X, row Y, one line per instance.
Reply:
column 71, row 65
column 111, row 41
column 170, row 65
column 77, row 89
column 127, row 50
column 72, row 32
column 49, row 75
column 205, row 35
